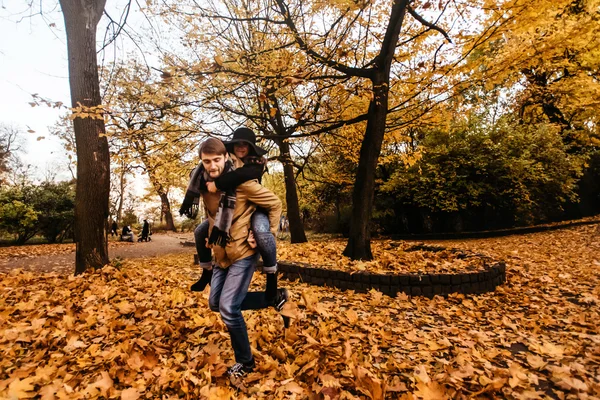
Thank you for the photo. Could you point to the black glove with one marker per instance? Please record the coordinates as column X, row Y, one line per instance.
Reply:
column 188, row 207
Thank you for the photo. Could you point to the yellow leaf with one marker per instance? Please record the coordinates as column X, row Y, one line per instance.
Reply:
column 125, row 307
column 293, row 387
column 431, row 391
column 21, row 389
column 536, row 362
column 104, row 383
column 421, row 375
column 130, row 394
column 330, row 381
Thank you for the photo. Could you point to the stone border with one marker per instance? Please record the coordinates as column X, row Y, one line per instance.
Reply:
column 490, row 234
column 427, row 285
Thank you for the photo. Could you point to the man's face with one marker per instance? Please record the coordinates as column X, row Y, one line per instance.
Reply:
column 214, row 164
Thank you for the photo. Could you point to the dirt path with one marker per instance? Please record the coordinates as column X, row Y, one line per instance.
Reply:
column 64, row 262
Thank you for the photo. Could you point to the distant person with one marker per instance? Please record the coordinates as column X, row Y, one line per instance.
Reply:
column 114, row 229
column 127, row 234
column 284, row 225
column 145, row 232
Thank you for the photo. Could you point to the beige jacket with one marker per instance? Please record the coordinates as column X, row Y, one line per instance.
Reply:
column 249, row 195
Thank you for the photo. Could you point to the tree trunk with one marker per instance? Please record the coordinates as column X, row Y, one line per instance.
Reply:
column 166, row 211
column 93, row 163
column 359, row 241
column 121, row 193
column 297, row 234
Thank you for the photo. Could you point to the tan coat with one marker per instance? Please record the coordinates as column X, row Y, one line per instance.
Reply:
column 249, row 195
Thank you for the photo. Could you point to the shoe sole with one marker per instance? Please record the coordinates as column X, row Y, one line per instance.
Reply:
column 283, row 300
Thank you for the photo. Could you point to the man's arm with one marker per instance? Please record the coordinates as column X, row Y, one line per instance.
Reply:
column 264, row 198
column 235, row 178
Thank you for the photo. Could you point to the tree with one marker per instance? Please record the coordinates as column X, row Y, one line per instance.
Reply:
column 150, row 129
column 17, row 216
column 55, row 203
column 93, row 162
column 9, row 145
column 547, row 60
column 494, row 175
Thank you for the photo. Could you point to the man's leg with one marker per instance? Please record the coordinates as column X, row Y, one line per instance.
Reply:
column 204, row 256
column 216, row 287
column 267, row 247
column 232, row 295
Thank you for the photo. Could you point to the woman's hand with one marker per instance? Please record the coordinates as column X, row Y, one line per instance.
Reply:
column 251, row 239
column 211, row 187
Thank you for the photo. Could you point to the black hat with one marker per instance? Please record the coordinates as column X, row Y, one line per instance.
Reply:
column 244, row 135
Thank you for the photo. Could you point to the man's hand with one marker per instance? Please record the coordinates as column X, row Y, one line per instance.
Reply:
column 211, row 187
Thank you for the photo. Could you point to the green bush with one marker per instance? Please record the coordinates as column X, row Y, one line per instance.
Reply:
column 46, row 209
column 17, row 218
column 509, row 173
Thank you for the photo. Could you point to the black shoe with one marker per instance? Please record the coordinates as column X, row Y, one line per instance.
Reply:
column 203, row 281
column 239, row 370
column 281, row 298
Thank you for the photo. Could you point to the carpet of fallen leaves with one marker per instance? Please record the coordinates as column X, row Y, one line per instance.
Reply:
column 137, row 332
column 36, row 250
column 390, row 256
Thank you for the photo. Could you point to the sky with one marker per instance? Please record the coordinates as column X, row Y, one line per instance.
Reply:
column 33, row 60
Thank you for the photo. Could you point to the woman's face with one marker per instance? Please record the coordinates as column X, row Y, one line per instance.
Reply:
column 241, row 149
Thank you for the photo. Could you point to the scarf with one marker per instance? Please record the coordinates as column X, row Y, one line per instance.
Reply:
column 219, row 234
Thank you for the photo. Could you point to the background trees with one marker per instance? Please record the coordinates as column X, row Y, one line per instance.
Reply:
column 433, row 116
column 46, row 209
column 10, row 145
column 152, row 129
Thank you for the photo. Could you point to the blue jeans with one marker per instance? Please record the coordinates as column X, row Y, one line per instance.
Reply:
column 265, row 242
column 229, row 296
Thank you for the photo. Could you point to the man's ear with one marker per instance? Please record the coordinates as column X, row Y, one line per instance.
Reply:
column 226, row 156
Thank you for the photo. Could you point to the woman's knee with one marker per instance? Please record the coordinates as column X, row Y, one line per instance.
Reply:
column 260, row 222
column 202, row 229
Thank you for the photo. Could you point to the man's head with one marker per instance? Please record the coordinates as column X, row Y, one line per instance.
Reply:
column 213, row 155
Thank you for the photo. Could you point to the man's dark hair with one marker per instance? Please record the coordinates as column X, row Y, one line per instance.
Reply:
column 212, row 146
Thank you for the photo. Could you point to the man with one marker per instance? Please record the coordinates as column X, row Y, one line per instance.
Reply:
column 229, row 215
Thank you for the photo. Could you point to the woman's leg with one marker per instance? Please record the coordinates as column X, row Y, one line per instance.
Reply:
column 267, row 247
column 204, row 256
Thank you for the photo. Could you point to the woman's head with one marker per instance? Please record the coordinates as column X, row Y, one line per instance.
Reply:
column 241, row 149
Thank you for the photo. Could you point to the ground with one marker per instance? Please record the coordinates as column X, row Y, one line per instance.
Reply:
column 134, row 330
column 61, row 257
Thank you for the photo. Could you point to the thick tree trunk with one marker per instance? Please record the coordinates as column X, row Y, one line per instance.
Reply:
column 359, row 241
column 297, row 234
column 166, row 211
column 93, row 163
